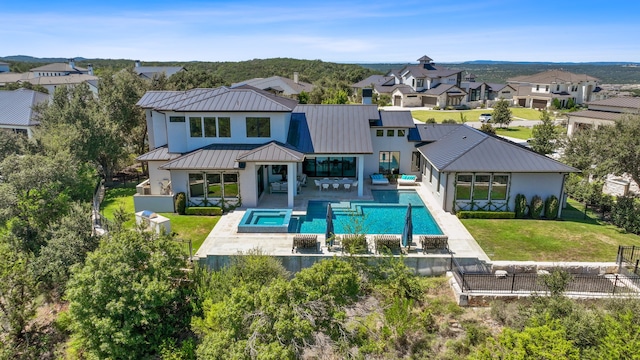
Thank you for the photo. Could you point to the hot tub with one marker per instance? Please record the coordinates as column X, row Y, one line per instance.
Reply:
column 265, row 221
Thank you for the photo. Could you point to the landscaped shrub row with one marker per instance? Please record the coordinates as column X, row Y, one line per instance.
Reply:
column 204, row 210
column 550, row 207
column 486, row 214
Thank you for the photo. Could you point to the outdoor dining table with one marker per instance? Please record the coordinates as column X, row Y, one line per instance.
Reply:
column 336, row 181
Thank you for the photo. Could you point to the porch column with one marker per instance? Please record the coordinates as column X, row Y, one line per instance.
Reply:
column 291, row 184
column 360, row 175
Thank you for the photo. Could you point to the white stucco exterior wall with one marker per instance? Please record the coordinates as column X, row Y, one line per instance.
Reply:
column 389, row 143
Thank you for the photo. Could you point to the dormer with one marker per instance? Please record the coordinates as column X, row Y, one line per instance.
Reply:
column 426, row 62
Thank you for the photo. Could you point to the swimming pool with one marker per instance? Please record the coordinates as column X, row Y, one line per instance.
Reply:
column 265, row 221
column 384, row 215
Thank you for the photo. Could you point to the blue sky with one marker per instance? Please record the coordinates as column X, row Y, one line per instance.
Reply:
column 336, row 31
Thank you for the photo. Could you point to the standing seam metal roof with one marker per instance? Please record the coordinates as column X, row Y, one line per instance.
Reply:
column 272, row 152
column 216, row 156
column 16, row 107
column 397, row 119
column 339, row 129
column 469, row 150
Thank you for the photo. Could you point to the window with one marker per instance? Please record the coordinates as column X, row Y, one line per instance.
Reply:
column 330, row 166
column 438, row 188
column 213, row 185
column 481, row 187
column 415, row 161
column 400, row 133
column 209, row 127
column 224, row 127
column 463, row 187
column 176, row 119
column 546, row 88
column 389, row 162
column 195, row 126
column 391, row 132
column 430, row 174
column 196, row 183
column 258, row 127
column 379, row 133
column 499, row 187
column 420, row 83
column 558, row 87
column 537, row 87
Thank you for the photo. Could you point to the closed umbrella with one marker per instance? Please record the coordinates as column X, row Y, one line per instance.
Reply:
column 407, row 233
column 329, row 232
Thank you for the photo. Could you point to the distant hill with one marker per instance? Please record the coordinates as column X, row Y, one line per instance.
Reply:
column 31, row 59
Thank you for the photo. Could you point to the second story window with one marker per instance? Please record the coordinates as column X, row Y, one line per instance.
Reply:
column 224, row 127
column 420, row 83
column 258, row 127
column 195, row 126
column 209, row 127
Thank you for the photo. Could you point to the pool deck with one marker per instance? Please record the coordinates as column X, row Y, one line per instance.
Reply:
column 225, row 240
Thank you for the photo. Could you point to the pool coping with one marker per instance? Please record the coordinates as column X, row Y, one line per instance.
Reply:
column 224, row 239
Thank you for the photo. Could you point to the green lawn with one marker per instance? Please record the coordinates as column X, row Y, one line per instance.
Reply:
column 518, row 132
column 571, row 239
column 192, row 227
column 472, row 115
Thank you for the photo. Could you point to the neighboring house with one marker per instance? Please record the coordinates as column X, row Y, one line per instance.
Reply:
column 51, row 76
column 4, row 67
column 538, row 91
column 466, row 169
column 232, row 145
column 602, row 112
column 485, row 93
column 279, row 85
column 16, row 110
column 381, row 84
column 148, row 72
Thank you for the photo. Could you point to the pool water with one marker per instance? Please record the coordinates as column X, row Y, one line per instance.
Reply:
column 265, row 220
column 384, row 215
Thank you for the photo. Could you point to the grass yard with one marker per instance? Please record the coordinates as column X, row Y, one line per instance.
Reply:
column 472, row 115
column 571, row 239
column 187, row 227
column 518, row 132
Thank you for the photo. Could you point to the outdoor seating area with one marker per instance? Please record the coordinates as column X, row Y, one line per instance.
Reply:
column 335, row 184
column 281, row 187
column 305, row 241
column 379, row 179
column 434, row 242
column 407, row 180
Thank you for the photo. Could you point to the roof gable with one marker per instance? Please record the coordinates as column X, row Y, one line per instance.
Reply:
column 272, row 152
column 16, row 107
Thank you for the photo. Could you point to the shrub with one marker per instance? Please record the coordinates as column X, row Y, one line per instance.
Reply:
column 487, row 128
column 430, row 121
column 204, row 210
column 181, row 203
column 551, row 207
column 436, row 107
column 521, row 206
column 449, row 121
column 486, row 215
column 625, row 214
column 537, row 205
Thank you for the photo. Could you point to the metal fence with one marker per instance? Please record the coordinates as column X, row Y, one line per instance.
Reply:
column 629, row 258
column 487, row 282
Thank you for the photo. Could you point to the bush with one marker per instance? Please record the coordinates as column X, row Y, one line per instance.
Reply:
column 436, row 107
column 204, row 210
column 551, row 207
column 449, row 121
column 537, row 205
column 430, row 121
column 521, row 206
column 626, row 214
column 181, row 203
column 487, row 128
column 486, row 215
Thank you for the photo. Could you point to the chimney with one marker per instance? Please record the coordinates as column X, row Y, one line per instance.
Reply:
column 90, row 69
column 367, row 95
column 137, row 63
column 72, row 63
column 295, row 77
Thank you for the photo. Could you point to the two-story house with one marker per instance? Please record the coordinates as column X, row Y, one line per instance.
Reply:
column 538, row 91
column 602, row 112
column 236, row 145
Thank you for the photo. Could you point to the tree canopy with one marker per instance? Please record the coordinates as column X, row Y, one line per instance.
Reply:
column 545, row 136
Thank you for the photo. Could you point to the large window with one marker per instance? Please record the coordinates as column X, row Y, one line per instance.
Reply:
column 416, row 157
column 389, row 162
column 195, row 126
column 209, row 127
column 330, row 166
column 176, row 118
column 213, row 185
column 224, row 127
column 258, row 127
column 482, row 186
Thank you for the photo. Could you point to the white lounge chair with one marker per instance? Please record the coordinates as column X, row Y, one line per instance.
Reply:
column 379, row 179
column 407, row 180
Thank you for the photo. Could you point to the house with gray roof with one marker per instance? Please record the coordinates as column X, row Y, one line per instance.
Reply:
column 602, row 112
column 17, row 110
column 538, row 91
column 234, row 145
column 148, row 72
column 279, row 85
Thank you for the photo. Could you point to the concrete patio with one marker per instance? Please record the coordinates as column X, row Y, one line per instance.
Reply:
column 224, row 240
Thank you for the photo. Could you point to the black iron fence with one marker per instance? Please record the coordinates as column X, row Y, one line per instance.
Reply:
column 629, row 258
column 487, row 282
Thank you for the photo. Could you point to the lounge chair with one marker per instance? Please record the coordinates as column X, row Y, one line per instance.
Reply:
column 390, row 242
column 305, row 241
column 407, row 180
column 434, row 242
column 379, row 179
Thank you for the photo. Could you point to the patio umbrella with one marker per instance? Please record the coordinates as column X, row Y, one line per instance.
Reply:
column 329, row 231
column 407, row 233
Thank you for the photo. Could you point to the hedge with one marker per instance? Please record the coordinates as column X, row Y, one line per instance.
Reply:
column 486, row 215
column 181, row 203
column 204, row 210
